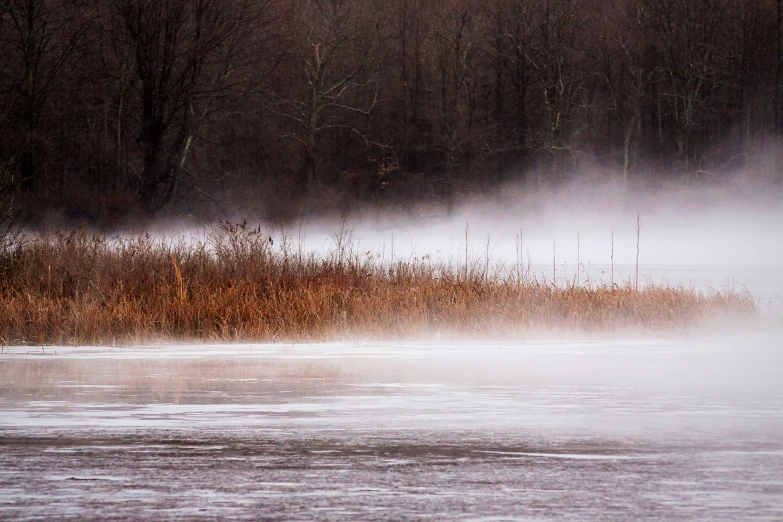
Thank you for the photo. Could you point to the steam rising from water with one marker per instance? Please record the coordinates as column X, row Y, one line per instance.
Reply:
column 726, row 237
column 697, row 226
column 707, row 237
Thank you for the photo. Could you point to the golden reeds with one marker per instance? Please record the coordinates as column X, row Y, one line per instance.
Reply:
column 237, row 285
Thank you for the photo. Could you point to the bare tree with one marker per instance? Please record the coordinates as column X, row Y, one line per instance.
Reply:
column 690, row 42
column 626, row 75
column 185, row 56
column 516, row 31
column 39, row 36
column 458, row 56
column 557, row 58
column 748, row 42
column 410, row 35
column 778, row 85
column 9, row 214
column 335, row 67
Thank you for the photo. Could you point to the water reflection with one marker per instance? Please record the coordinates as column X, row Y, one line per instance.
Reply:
column 622, row 428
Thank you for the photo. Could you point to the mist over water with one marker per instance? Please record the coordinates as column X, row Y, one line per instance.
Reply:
column 706, row 237
column 682, row 425
column 734, row 224
column 682, row 227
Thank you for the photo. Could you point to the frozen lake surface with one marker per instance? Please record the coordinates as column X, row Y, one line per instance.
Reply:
column 609, row 428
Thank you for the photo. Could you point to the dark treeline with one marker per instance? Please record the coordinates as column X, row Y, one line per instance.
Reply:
column 118, row 107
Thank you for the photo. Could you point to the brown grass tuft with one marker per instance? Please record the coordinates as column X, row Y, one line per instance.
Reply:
column 238, row 285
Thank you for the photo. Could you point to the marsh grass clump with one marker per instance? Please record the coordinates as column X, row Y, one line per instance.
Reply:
column 241, row 283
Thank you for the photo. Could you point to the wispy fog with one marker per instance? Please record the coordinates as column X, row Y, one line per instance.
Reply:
column 724, row 235
column 702, row 236
column 680, row 226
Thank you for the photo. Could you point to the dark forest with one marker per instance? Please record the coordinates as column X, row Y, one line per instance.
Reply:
column 116, row 110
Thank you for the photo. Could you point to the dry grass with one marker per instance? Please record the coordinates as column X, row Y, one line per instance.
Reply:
column 239, row 285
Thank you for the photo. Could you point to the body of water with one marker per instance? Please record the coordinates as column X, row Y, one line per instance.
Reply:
column 590, row 428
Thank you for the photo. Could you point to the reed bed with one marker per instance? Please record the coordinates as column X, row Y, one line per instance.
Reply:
column 240, row 284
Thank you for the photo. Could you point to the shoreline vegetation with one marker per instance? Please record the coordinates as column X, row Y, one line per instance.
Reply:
column 238, row 283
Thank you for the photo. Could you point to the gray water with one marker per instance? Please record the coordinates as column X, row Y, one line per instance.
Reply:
column 590, row 428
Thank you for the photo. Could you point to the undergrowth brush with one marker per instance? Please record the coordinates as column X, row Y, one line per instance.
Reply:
column 238, row 283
